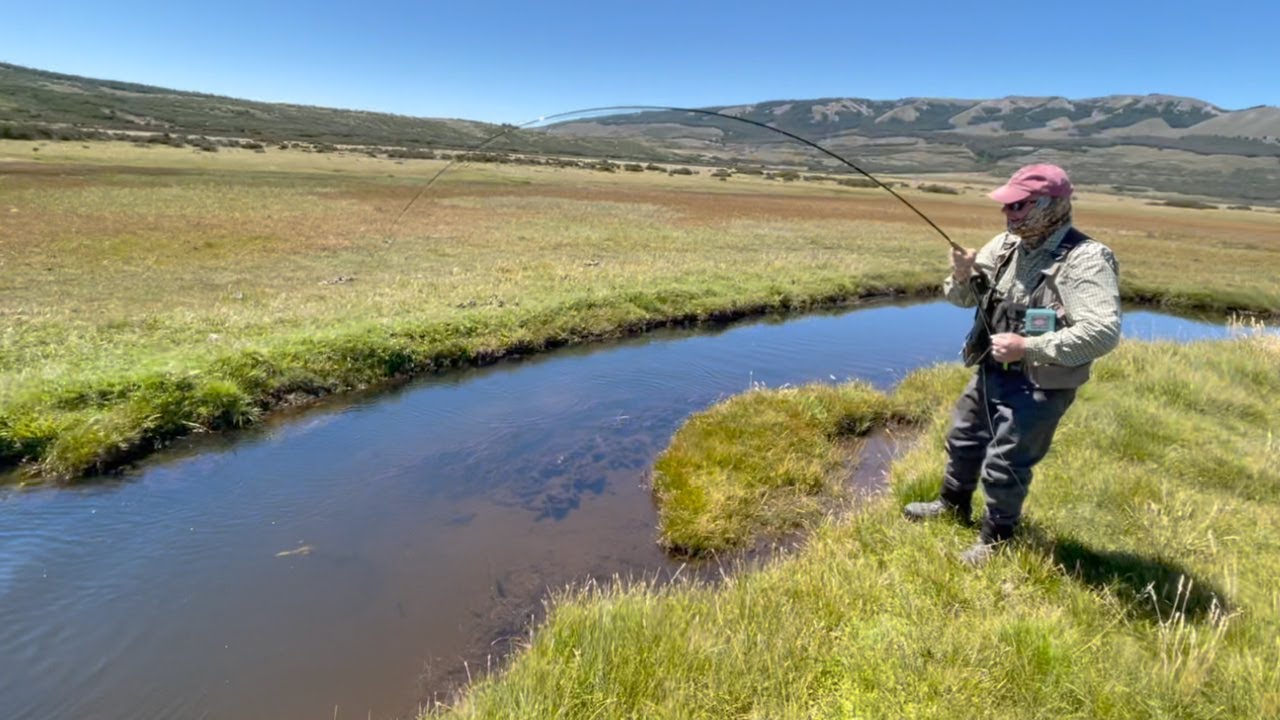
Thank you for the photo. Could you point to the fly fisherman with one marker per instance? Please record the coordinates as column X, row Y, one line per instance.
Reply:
column 1048, row 305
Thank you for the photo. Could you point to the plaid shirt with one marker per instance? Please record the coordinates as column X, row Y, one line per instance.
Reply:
column 1088, row 282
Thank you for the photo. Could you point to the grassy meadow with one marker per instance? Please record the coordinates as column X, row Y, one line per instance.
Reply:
column 1145, row 584
column 154, row 291
column 151, row 292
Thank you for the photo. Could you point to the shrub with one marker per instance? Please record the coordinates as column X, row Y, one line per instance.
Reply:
column 940, row 189
column 15, row 131
column 205, row 144
column 403, row 153
column 1239, row 207
column 62, row 134
column 721, row 173
column 680, row 171
column 788, row 176
column 1187, row 204
column 202, row 144
column 18, row 132
column 857, row 182
column 482, row 157
column 633, row 167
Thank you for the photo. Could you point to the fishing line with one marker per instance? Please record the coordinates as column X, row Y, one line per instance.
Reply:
column 617, row 109
column 658, row 108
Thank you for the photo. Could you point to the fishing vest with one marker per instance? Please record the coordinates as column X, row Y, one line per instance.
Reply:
column 1003, row 316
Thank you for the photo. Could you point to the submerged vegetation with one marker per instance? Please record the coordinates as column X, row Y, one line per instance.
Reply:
column 155, row 291
column 1146, row 583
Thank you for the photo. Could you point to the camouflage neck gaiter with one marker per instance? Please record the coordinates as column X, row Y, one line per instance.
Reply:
column 1042, row 222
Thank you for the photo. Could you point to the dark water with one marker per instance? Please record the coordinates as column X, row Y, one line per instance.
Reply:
column 425, row 525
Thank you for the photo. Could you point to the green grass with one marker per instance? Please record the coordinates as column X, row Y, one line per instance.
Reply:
column 1146, row 583
column 767, row 462
column 151, row 292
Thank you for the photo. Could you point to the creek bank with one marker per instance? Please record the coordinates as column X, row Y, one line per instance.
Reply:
column 131, row 419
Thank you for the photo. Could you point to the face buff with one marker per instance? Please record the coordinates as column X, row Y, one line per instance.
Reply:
column 1047, row 216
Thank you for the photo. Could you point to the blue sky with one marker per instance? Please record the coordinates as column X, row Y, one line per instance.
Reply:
column 509, row 61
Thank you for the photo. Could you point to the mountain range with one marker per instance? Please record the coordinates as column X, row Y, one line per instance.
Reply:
column 1157, row 143
column 1115, row 116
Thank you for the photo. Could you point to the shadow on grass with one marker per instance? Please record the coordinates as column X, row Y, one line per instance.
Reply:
column 1153, row 588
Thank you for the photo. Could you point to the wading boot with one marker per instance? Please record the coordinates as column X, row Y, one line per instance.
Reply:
column 978, row 553
column 941, row 507
column 990, row 540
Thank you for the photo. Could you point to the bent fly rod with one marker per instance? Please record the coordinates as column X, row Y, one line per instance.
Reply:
column 615, row 109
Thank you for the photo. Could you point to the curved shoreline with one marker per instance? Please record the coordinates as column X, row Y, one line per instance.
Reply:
column 33, row 460
column 102, row 427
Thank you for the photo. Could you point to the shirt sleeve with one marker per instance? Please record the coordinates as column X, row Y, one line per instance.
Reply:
column 958, row 293
column 1090, row 290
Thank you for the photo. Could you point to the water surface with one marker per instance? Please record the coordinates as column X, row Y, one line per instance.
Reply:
column 355, row 555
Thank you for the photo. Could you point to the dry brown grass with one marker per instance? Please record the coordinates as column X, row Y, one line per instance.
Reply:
column 119, row 262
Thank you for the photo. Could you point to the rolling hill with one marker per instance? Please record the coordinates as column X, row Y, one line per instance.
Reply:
column 1156, row 143
column 47, row 104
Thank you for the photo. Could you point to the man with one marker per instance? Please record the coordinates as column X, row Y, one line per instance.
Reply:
column 1048, row 305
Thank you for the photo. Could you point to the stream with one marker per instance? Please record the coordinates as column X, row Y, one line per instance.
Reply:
column 354, row 558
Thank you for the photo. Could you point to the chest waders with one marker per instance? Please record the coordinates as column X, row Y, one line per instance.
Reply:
column 1004, row 422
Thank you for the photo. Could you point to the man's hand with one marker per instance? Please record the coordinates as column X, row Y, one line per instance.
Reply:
column 962, row 262
column 1008, row 347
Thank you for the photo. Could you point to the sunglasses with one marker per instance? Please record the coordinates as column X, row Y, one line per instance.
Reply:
column 1018, row 206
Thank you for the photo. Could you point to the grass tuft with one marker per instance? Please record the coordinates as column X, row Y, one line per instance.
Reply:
column 760, row 462
column 771, row 460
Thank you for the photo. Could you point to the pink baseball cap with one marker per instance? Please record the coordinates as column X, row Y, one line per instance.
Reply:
column 1034, row 180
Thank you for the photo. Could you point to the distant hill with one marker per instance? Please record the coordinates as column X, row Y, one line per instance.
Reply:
column 1162, row 143
column 1164, row 118
column 28, row 95
column 39, row 98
